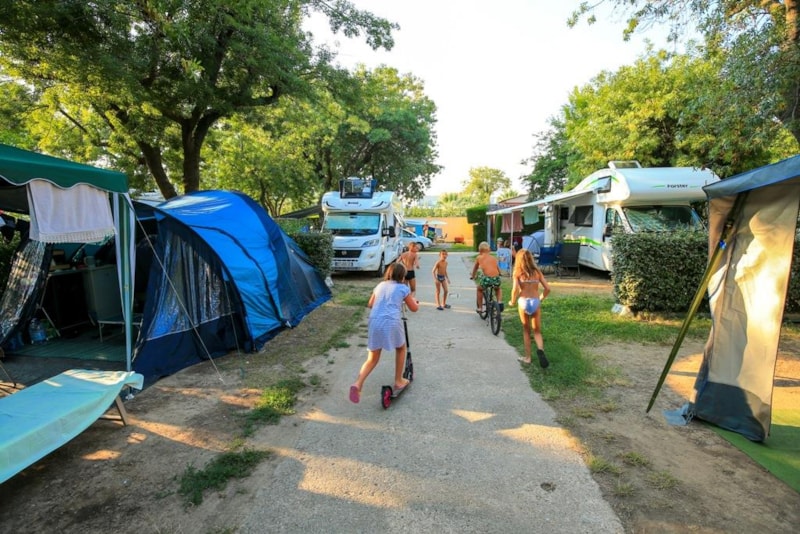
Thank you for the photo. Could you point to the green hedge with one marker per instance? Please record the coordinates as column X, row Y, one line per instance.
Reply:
column 318, row 246
column 476, row 215
column 660, row 272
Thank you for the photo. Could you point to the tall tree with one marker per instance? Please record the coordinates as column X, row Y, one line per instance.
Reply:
column 387, row 132
column 761, row 44
column 657, row 111
column 288, row 155
column 161, row 73
column 265, row 162
column 17, row 102
column 483, row 182
column 550, row 159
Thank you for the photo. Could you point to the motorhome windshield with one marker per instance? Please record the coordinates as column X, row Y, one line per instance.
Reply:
column 662, row 218
column 352, row 223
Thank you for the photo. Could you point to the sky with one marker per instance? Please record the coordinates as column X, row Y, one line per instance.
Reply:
column 497, row 71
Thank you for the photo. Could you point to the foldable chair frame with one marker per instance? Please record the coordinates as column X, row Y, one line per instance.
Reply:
column 567, row 260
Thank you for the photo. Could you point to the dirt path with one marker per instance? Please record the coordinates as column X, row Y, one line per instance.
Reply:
column 113, row 479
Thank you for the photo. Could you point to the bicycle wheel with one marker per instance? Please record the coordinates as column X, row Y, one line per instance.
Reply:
column 482, row 311
column 494, row 318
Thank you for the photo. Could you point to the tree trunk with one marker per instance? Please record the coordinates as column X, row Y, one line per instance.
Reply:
column 193, row 134
column 152, row 157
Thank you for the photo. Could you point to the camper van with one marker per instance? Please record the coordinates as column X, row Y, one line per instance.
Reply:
column 625, row 197
column 365, row 224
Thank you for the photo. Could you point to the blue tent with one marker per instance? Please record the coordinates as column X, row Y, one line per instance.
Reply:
column 224, row 276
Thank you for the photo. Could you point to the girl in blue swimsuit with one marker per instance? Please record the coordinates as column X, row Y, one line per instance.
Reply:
column 528, row 296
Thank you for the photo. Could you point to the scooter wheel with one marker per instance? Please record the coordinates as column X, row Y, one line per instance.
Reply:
column 386, row 397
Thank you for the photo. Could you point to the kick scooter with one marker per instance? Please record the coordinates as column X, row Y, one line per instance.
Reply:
column 387, row 392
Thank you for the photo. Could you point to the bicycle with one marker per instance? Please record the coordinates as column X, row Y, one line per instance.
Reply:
column 491, row 309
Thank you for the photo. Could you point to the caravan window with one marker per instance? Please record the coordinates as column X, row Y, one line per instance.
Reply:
column 352, row 223
column 582, row 216
column 613, row 218
column 662, row 218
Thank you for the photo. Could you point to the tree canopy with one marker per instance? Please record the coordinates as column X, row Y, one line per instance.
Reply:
column 149, row 79
column 287, row 155
column 706, row 108
column 483, row 182
column 759, row 42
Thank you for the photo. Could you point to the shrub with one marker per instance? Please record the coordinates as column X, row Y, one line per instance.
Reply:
column 318, row 246
column 660, row 272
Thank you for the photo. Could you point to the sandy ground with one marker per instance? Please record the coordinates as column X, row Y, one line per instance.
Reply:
column 124, row 479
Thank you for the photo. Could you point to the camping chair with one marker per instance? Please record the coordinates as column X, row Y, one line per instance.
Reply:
column 568, row 259
column 504, row 260
column 547, row 258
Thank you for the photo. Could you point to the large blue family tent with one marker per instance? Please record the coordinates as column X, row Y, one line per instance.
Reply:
column 224, row 276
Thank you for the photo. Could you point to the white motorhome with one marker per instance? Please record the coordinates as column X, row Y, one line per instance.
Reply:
column 365, row 224
column 625, row 197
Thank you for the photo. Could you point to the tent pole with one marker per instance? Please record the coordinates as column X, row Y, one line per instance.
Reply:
column 738, row 205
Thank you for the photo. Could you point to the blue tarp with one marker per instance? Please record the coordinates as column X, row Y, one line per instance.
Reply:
column 225, row 276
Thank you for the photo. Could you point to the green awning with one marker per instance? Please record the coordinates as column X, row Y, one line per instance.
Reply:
column 19, row 167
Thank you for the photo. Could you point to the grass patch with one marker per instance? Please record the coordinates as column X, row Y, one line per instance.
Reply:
column 275, row 402
column 352, row 295
column 572, row 322
column 583, row 412
column 193, row 482
column 635, row 459
column 601, row 465
column 662, row 480
column 623, row 489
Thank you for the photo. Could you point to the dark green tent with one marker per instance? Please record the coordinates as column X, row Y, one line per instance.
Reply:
column 18, row 168
column 752, row 226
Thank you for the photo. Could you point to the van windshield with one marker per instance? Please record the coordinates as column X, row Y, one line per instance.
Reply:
column 352, row 223
column 662, row 218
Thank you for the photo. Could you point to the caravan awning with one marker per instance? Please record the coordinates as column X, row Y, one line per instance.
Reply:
column 550, row 199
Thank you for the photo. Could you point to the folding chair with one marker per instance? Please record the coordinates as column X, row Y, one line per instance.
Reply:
column 568, row 259
column 546, row 260
column 504, row 260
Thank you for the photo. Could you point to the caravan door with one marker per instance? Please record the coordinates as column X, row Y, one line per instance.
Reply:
column 585, row 224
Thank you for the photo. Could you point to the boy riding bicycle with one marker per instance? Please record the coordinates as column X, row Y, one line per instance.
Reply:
column 489, row 274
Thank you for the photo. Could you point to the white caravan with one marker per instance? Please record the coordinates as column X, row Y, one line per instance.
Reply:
column 625, row 197
column 365, row 225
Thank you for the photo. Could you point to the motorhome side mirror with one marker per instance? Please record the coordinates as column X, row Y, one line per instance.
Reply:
column 391, row 232
column 607, row 231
